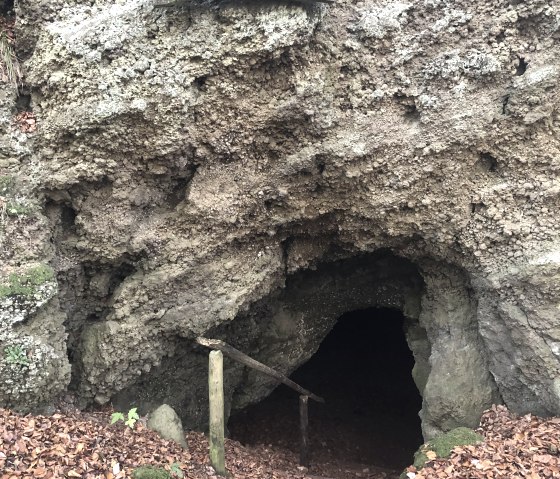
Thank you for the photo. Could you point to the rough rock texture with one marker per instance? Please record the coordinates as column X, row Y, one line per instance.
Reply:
column 193, row 166
column 31, row 319
column 167, row 424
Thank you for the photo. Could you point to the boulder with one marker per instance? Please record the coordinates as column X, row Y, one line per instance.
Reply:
column 166, row 423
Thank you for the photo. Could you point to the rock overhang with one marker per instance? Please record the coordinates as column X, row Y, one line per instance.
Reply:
column 208, row 152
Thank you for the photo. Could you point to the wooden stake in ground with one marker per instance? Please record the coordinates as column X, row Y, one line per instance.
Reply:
column 216, row 396
column 233, row 353
column 303, row 425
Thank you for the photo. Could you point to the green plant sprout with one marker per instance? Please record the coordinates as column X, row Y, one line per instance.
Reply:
column 16, row 355
column 130, row 420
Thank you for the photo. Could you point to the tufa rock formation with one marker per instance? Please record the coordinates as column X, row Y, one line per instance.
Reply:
column 250, row 172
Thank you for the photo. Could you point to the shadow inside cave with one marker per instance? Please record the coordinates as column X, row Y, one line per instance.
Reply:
column 363, row 370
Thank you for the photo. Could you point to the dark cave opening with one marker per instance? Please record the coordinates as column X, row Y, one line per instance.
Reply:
column 6, row 6
column 363, row 370
column 521, row 67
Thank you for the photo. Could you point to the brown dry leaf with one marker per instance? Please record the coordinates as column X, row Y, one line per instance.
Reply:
column 26, row 121
column 544, row 458
column 431, row 455
column 514, row 448
column 507, row 452
column 40, row 472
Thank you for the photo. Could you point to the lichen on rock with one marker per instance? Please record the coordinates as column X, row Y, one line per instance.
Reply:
column 34, row 283
column 41, row 372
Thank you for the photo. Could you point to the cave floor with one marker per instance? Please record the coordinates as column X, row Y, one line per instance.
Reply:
column 340, row 446
column 369, row 425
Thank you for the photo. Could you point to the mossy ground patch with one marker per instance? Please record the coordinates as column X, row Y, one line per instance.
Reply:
column 441, row 446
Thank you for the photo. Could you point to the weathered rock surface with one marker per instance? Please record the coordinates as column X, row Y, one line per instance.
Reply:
column 252, row 171
column 34, row 367
column 167, row 424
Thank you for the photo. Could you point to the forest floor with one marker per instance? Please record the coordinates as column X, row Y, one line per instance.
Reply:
column 84, row 445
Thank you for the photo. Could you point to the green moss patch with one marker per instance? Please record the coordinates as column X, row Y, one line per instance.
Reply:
column 14, row 208
column 148, row 472
column 25, row 284
column 7, row 185
column 442, row 445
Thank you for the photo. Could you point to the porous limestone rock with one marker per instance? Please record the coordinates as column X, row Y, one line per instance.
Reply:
column 192, row 166
column 31, row 319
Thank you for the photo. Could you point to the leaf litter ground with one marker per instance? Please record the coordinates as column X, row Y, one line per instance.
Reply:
column 85, row 445
column 514, row 448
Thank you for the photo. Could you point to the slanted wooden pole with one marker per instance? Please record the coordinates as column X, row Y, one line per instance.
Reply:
column 253, row 363
column 216, row 397
column 304, row 426
column 217, row 406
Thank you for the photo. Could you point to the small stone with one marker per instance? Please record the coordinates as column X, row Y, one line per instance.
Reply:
column 165, row 421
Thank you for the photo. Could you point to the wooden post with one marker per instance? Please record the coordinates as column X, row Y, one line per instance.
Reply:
column 215, row 380
column 303, row 426
column 216, row 398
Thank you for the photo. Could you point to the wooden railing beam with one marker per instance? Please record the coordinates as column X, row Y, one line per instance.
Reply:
column 237, row 355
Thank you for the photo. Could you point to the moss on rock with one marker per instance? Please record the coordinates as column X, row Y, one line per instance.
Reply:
column 14, row 208
column 149, row 472
column 7, row 184
column 444, row 444
column 26, row 283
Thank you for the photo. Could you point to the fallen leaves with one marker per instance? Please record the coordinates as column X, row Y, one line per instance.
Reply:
column 431, row 455
column 71, row 446
column 84, row 445
column 26, row 121
column 515, row 447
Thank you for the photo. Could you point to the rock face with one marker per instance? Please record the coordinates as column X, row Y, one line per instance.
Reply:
column 167, row 424
column 251, row 172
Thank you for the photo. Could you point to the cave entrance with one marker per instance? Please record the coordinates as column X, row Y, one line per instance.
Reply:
column 363, row 370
